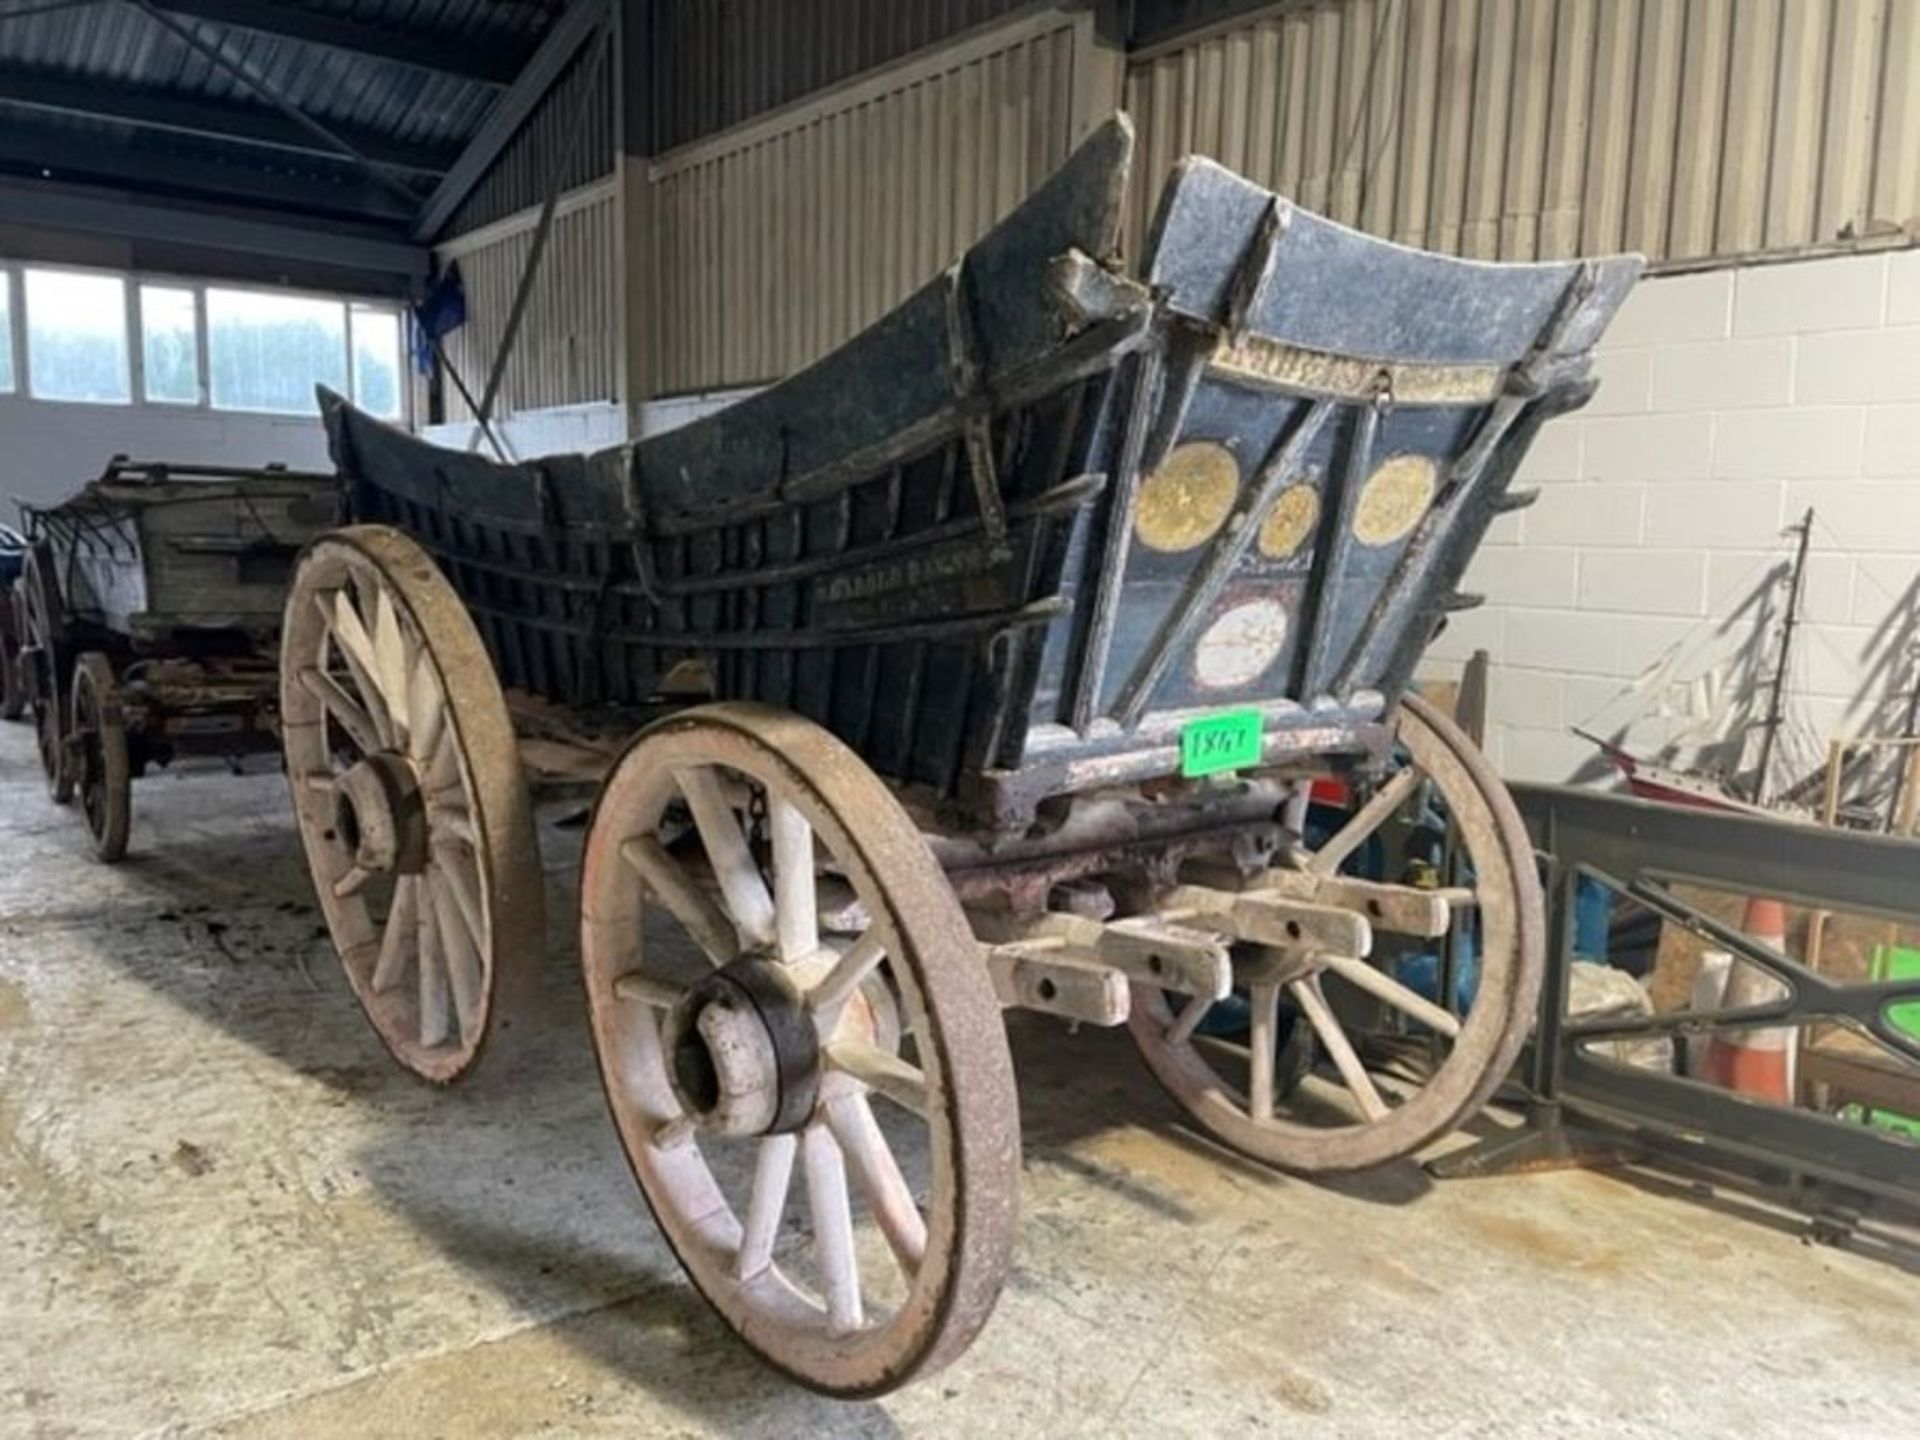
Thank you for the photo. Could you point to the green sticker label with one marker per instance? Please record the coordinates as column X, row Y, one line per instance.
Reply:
column 1227, row 741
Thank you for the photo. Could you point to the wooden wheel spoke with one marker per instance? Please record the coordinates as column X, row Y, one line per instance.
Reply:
column 351, row 883
column 1266, row 1006
column 1188, row 1021
column 884, row 1074
column 1306, row 994
column 349, row 634
column 351, row 715
column 772, row 1177
column 645, row 990
column 674, row 888
column 741, row 882
column 400, row 937
column 877, row 1174
column 453, row 864
column 796, row 909
column 435, row 1019
column 855, row 964
column 449, row 822
column 1364, row 821
column 459, row 952
column 832, row 1213
column 426, row 710
column 1381, row 986
column 390, row 656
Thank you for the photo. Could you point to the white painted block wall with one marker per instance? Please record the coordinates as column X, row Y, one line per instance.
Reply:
column 48, row 449
column 1731, row 401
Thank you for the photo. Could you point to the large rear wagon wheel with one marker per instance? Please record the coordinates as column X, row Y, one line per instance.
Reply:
column 410, row 799
column 1372, row 1071
column 780, row 979
column 103, row 779
column 13, row 678
column 47, row 668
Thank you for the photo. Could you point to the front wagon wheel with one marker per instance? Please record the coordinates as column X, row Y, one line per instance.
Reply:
column 1346, row 1062
column 410, row 799
column 800, row 1046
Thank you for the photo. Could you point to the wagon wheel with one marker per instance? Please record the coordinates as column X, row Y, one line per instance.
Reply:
column 13, row 679
column 98, row 755
column 1362, row 1095
column 409, row 797
column 801, row 987
column 45, row 676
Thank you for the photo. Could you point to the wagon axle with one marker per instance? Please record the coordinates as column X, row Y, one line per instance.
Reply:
column 745, row 1055
column 381, row 814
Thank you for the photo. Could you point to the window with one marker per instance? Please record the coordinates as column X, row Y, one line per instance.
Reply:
column 77, row 336
column 266, row 352
column 168, row 352
column 376, row 361
column 6, row 333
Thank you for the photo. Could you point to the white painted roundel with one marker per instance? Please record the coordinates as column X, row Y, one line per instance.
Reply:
column 1239, row 646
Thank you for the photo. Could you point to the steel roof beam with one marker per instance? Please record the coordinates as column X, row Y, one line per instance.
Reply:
column 46, row 207
column 510, row 111
column 492, row 64
column 77, row 159
column 241, row 124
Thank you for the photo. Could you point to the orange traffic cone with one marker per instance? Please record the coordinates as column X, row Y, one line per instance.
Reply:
column 1756, row 1062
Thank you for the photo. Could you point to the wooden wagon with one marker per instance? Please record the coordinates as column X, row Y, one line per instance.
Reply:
column 1051, row 644
column 146, row 619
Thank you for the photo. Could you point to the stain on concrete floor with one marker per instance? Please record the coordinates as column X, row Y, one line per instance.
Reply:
column 224, row 1212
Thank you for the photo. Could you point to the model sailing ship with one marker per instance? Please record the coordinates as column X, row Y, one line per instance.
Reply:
column 1723, row 731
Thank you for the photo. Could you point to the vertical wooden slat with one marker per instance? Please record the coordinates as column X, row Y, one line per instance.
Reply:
column 1795, row 142
column 1851, row 116
column 1378, row 164
column 1752, row 85
column 1323, row 109
column 1527, row 118
column 1896, row 179
column 1488, row 146
column 1419, row 124
column 1604, row 178
column 1703, row 97
column 1569, row 114
column 1453, row 134
column 1651, row 169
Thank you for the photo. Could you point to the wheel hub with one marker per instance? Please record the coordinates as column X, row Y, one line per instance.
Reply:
column 383, row 816
column 745, row 1057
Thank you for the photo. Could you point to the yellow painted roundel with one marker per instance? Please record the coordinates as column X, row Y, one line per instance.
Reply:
column 1188, row 498
column 1394, row 498
column 1290, row 521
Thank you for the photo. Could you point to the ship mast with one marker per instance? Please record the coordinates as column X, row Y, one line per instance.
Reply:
column 1776, row 701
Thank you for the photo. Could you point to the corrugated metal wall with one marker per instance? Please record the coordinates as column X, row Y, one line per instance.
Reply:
column 569, row 348
column 771, row 244
column 543, row 147
column 715, row 63
column 1543, row 128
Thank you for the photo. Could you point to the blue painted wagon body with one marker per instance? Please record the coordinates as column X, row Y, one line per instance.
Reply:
column 1011, row 539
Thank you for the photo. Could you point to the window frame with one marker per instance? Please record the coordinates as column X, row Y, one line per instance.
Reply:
column 13, row 277
column 196, row 298
column 13, row 339
column 129, row 335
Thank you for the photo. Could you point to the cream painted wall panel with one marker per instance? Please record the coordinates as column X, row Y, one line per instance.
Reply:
column 781, row 239
column 1521, row 129
column 568, row 351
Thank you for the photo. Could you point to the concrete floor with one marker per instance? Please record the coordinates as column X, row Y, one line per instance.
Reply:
column 225, row 1213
